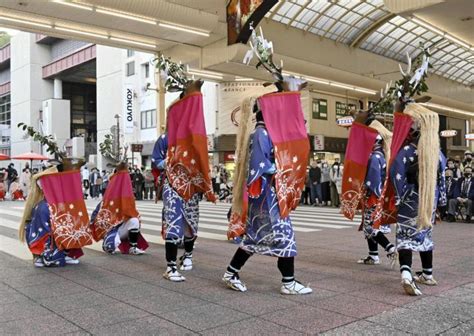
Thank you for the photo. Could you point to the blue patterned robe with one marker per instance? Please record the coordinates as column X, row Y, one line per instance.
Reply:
column 266, row 232
column 180, row 219
column 403, row 174
column 39, row 229
column 374, row 183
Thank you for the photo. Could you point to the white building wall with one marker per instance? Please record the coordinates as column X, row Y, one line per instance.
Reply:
column 111, row 82
column 28, row 89
column 109, row 87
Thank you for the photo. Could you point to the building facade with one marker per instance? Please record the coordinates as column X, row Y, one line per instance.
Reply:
column 80, row 92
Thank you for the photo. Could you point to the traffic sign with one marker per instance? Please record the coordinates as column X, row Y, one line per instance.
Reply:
column 137, row 148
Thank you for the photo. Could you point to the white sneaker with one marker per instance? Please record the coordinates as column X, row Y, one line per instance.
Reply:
column 422, row 279
column 295, row 288
column 393, row 258
column 38, row 262
column 369, row 261
column 135, row 251
column 186, row 263
column 172, row 274
column 410, row 287
column 233, row 282
column 71, row 261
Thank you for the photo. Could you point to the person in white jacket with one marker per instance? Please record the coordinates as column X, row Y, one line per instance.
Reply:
column 25, row 181
column 335, row 176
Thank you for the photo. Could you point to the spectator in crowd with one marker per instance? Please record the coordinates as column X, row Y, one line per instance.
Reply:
column 451, row 165
column 15, row 190
column 450, row 187
column 149, row 184
column 105, row 182
column 458, row 166
column 224, row 192
column 214, row 173
column 95, row 181
column 85, row 181
column 306, row 194
column 463, row 195
column 34, row 171
column 139, row 180
column 467, row 159
column 336, row 183
column 25, row 181
column 325, row 183
column 3, row 178
column 12, row 174
column 315, row 181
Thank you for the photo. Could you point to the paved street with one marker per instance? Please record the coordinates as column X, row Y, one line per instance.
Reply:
column 123, row 295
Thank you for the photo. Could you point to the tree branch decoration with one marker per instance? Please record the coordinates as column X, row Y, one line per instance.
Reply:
column 47, row 141
column 263, row 49
column 414, row 83
column 111, row 151
column 411, row 83
column 173, row 73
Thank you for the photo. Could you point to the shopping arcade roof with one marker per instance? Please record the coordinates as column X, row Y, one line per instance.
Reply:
column 370, row 26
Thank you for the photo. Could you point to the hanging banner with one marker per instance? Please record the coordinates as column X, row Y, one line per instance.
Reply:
column 318, row 142
column 470, row 136
column 128, row 105
column 243, row 13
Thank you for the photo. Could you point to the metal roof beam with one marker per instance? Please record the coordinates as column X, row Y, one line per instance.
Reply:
column 373, row 27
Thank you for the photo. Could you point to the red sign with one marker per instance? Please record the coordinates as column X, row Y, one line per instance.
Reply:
column 137, row 148
column 229, row 157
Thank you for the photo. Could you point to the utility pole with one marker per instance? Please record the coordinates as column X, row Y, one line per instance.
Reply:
column 118, row 135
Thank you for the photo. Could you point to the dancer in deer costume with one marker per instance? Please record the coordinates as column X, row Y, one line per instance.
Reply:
column 55, row 219
column 270, row 176
column 116, row 220
column 181, row 154
column 364, row 181
column 416, row 176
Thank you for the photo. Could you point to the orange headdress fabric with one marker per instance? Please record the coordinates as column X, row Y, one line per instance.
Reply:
column 118, row 205
column 187, row 157
column 69, row 218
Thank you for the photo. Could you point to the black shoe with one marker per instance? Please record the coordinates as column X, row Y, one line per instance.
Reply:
column 451, row 219
column 468, row 219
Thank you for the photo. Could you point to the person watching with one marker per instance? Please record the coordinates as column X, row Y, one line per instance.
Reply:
column 463, row 195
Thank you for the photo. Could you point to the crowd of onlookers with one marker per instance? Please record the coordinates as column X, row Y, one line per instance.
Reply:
column 459, row 189
column 323, row 183
column 221, row 183
column 13, row 185
column 95, row 182
column 322, row 187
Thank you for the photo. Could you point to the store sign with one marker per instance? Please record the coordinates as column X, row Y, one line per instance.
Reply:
column 448, row 133
column 229, row 157
column 210, row 142
column 318, row 142
column 345, row 121
column 470, row 136
column 128, row 103
column 137, row 148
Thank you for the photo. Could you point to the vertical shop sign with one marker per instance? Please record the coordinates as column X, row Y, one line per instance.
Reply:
column 318, row 142
column 128, row 108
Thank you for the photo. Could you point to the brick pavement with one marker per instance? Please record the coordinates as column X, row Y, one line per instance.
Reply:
column 126, row 295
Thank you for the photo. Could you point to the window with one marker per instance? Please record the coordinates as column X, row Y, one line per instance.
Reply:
column 148, row 119
column 130, row 53
column 458, row 139
column 146, row 70
column 343, row 109
column 5, row 110
column 320, row 109
column 130, row 69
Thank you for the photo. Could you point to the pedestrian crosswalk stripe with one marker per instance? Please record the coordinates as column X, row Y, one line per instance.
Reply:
column 212, row 223
column 15, row 248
